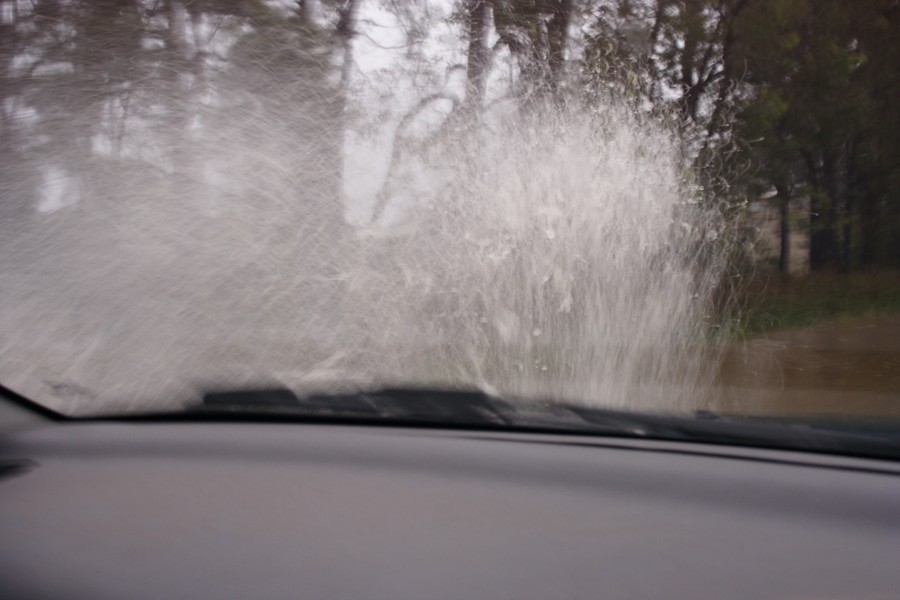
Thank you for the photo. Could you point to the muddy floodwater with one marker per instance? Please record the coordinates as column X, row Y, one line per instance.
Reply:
column 843, row 367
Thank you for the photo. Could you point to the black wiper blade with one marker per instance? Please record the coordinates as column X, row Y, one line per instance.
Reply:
column 475, row 409
column 400, row 404
column 425, row 406
column 267, row 397
column 706, row 427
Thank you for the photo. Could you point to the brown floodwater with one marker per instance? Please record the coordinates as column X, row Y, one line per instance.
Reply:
column 842, row 367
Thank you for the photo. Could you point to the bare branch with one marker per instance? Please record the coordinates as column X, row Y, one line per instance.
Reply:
column 398, row 146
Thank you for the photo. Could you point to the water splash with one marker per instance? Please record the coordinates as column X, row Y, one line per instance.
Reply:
column 557, row 254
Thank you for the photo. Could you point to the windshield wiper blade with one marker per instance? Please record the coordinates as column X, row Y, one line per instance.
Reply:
column 437, row 407
column 402, row 404
column 475, row 409
column 266, row 397
column 706, row 427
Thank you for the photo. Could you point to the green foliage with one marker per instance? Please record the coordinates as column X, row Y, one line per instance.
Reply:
column 795, row 95
column 776, row 303
column 817, row 74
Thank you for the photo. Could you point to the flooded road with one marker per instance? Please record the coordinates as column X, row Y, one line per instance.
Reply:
column 846, row 366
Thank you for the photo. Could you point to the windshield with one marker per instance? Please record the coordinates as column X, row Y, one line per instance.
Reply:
column 648, row 206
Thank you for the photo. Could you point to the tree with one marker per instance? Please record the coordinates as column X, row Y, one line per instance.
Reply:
column 478, row 63
column 818, row 113
column 536, row 33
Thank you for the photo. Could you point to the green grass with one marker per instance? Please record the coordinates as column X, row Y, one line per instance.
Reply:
column 771, row 302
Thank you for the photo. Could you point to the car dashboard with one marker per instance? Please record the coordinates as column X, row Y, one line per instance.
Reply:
column 265, row 510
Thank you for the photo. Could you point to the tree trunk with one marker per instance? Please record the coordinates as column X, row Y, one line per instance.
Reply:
column 848, row 207
column 478, row 63
column 784, row 203
column 180, row 105
column 306, row 9
column 344, row 33
column 821, row 218
column 557, row 37
column 870, row 230
column 524, row 32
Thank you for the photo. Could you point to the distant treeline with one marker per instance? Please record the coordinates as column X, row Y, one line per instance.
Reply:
column 782, row 98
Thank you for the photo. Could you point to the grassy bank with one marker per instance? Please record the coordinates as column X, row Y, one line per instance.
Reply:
column 771, row 302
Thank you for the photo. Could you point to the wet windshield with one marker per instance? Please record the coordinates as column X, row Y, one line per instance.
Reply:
column 650, row 206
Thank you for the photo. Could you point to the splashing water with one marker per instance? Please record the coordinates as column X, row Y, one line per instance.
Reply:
column 557, row 255
column 552, row 256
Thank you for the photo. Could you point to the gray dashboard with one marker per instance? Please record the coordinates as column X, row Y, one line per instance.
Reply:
column 205, row 510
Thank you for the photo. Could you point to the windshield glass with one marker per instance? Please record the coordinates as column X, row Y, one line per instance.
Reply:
column 650, row 205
